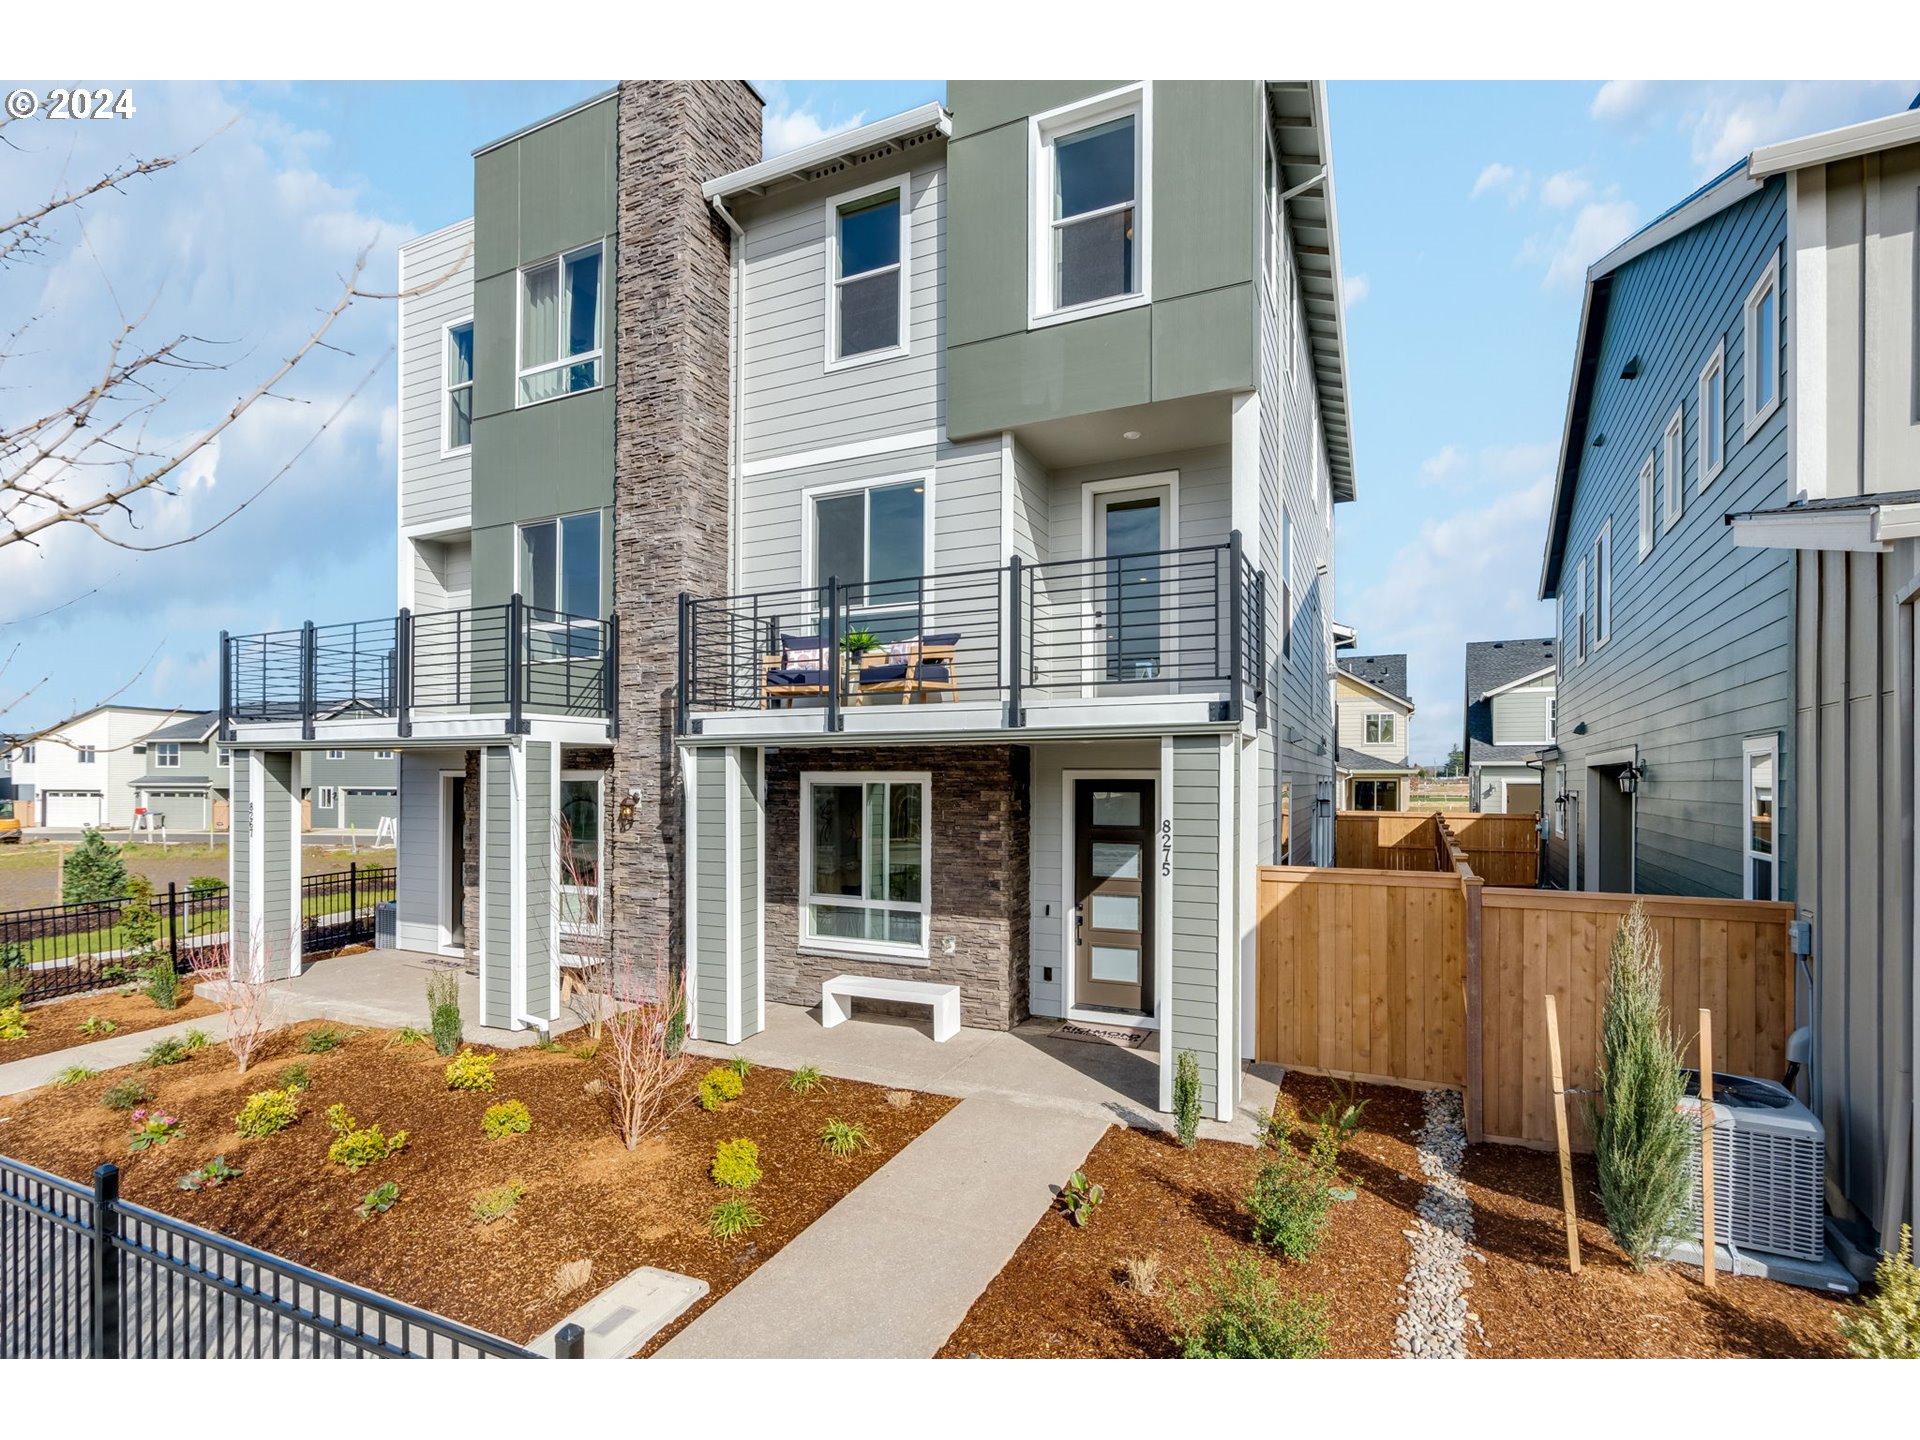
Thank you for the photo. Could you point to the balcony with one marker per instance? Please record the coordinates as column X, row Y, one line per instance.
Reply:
column 1146, row 642
column 490, row 670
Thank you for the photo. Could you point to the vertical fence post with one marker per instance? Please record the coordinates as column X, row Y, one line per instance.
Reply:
column 403, row 673
column 570, row 1343
column 104, row 1270
column 1476, row 1029
column 516, row 630
column 225, row 732
column 306, row 680
column 173, row 921
column 610, row 679
column 1015, row 700
column 681, row 701
column 353, row 901
column 832, row 656
column 1236, row 618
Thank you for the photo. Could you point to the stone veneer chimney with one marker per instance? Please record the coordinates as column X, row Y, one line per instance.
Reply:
column 671, row 477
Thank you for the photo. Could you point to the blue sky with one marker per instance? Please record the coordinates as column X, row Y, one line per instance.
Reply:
column 1468, row 214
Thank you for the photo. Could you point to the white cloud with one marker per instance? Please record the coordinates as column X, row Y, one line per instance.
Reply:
column 1439, row 468
column 1354, row 289
column 1595, row 230
column 787, row 124
column 1725, row 120
column 1500, row 179
column 1621, row 99
column 1469, row 576
column 1564, row 189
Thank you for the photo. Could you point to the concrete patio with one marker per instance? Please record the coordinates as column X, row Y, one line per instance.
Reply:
column 1022, row 1067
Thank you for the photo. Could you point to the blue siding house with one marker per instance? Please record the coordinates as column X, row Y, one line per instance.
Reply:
column 1676, row 695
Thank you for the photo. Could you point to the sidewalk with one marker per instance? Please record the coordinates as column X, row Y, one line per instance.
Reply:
column 893, row 1268
column 108, row 1054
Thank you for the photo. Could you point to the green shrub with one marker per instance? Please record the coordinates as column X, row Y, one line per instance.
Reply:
column 1238, row 1313
column 324, row 1039
column 95, row 1025
column 509, row 1117
column 267, row 1112
column 1186, row 1098
column 740, row 1065
column 378, row 1201
column 677, row 1025
column 125, row 1094
column 153, row 1127
column 718, row 1086
column 295, row 1077
column 13, row 989
column 1079, row 1197
column 170, row 1051
column 356, row 1147
column 1290, row 1200
column 1887, row 1326
column 13, row 1023
column 843, row 1137
column 407, row 1035
column 210, row 1176
column 496, row 1203
column 468, row 1071
column 93, row 871
column 736, row 1163
column 204, row 887
column 731, row 1219
column 1642, row 1142
column 160, row 983
column 443, row 1010
column 196, row 1040
column 73, row 1075
column 805, row 1080
column 1340, row 1117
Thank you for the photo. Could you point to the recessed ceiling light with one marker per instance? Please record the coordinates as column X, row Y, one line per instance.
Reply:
column 1129, row 434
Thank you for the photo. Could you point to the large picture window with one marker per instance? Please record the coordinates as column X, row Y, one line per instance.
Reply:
column 560, row 583
column 560, row 325
column 1376, row 795
column 459, row 383
column 1090, row 206
column 865, row 878
column 867, row 275
column 873, row 540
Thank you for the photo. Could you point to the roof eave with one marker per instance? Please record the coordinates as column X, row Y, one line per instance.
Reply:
column 832, row 149
column 1849, row 141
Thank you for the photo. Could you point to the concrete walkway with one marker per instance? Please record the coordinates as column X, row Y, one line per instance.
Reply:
column 893, row 1268
column 107, row 1054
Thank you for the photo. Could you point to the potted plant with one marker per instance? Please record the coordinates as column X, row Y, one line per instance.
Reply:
column 857, row 641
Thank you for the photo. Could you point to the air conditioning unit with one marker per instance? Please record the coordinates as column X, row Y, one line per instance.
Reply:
column 1769, row 1168
column 386, row 928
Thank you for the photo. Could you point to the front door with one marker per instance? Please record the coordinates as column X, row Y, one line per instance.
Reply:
column 1113, row 896
column 1132, row 529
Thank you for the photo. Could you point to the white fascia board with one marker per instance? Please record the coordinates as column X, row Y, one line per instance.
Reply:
column 1833, row 530
column 1842, row 144
column 793, row 163
column 1516, row 684
column 1728, row 193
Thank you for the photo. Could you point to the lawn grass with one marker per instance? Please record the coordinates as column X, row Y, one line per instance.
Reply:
column 206, row 920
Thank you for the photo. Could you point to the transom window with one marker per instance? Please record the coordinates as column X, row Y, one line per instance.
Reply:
column 560, row 325
column 166, row 755
column 1090, row 247
column 873, row 541
column 1762, row 762
column 1713, row 415
column 867, row 271
column 459, row 383
column 865, row 878
column 1379, row 727
column 1763, row 346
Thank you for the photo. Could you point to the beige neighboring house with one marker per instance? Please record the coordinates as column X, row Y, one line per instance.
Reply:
column 1374, row 720
column 82, row 772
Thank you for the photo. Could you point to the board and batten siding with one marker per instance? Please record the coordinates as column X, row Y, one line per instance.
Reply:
column 1193, row 1010
column 792, row 402
column 709, row 952
column 421, row 865
column 497, row 880
column 1699, row 657
column 435, row 487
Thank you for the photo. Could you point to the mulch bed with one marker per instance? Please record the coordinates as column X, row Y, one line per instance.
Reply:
column 1062, row 1294
column 55, row 1024
column 586, row 1196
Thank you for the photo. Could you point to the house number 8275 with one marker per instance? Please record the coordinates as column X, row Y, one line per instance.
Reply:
column 1166, row 847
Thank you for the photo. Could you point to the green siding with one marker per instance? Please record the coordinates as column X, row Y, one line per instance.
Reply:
column 1203, row 207
column 751, row 892
column 266, row 821
column 496, row 881
column 1193, row 1009
column 710, row 894
column 539, row 878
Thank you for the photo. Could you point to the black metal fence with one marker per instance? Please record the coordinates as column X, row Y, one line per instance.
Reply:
column 72, row 949
column 87, row 1275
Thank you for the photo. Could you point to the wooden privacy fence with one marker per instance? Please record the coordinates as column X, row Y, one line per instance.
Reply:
column 1503, row 849
column 1436, row 980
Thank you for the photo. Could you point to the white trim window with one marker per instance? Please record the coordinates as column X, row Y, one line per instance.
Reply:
column 383, row 754
column 866, row 872
column 558, row 325
column 1580, row 612
column 869, row 237
column 582, row 851
column 1603, row 584
column 1378, row 727
column 869, row 532
column 226, row 758
column 1760, row 815
column 1673, row 455
column 326, row 798
column 1092, row 170
column 85, row 755
column 1762, row 363
column 166, row 755
column 1713, row 415
column 336, row 754
column 456, row 384
column 1647, row 525
column 557, row 573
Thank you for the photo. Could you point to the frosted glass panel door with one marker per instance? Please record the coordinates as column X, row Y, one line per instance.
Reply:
column 1113, row 896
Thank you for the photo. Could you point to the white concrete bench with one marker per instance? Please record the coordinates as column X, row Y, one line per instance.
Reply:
column 837, row 996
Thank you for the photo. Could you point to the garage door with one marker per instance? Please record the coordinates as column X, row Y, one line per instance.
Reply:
column 70, row 809
column 365, row 809
column 1522, row 799
column 178, row 809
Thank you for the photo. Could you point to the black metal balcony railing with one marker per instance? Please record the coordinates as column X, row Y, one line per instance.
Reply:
column 1179, row 621
column 513, row 659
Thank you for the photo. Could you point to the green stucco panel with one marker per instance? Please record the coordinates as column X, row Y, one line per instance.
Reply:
column 987, row 236
column 1208, row 184
column 1099, row 363
column 982, row 105
column 1205, row 343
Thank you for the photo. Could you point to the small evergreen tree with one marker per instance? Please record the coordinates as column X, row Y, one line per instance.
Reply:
column 1887, row 1327
column 94, row 871
column 1641, row 1140
column 1186, row 1098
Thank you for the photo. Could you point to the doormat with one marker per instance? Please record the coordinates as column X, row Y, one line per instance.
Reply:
column 1102, row 1035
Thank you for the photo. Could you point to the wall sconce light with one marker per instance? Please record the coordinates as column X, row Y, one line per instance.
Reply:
column 1599, row 439
column 1630, row 780
column 628, row 807
column 1631, row 370
column 1560, row 802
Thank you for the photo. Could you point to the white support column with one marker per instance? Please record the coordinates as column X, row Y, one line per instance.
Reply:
column 264, row 914
column 730, row 838
column 1162, row 924
column 1246, row 871
column 1227, row 1071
